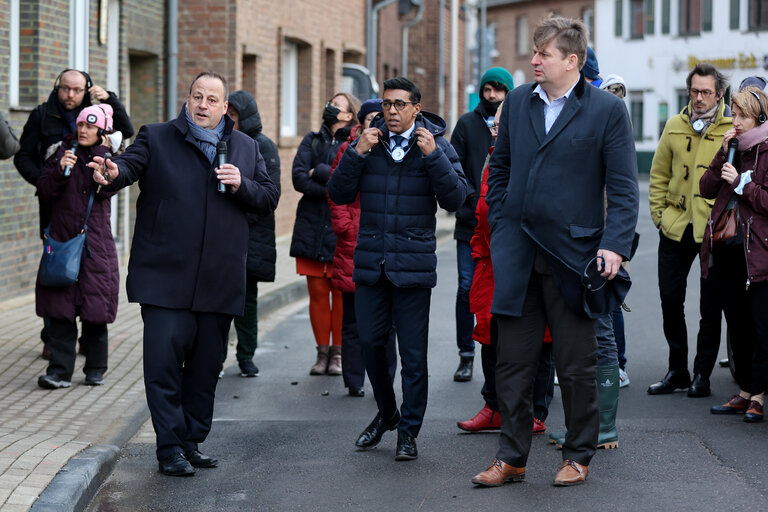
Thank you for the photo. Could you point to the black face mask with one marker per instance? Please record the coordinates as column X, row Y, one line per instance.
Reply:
column 490, row 107
column 331, row 115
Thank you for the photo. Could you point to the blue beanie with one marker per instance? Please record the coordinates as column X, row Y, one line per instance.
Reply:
column 591, row 69
column 367, row 107
column 499, row 75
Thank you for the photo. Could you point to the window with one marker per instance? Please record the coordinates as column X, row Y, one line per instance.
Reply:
column 650, row 18
column 588, row 17
column 665, row 16
column 523, row 41
column 249, row 73
column 690, row 17
column 79, row 19
column 636, row 114
column 706, row 15
column 289, row 96
column 734, row 15
column 637, row 19
column 682, row 99
column 758, row 14
column 619, row 21
column 13, row 69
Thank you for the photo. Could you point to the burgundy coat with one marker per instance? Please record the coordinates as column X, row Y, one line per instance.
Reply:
column 96, row 290
column 752, row 204
column 345, row 219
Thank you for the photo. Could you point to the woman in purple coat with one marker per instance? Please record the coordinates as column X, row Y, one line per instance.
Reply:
column 93, row 297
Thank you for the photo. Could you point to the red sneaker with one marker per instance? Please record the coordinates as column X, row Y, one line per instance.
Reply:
column 486, row 419
column 539, row 427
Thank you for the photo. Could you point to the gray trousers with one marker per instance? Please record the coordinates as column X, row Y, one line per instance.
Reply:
column 575, row 352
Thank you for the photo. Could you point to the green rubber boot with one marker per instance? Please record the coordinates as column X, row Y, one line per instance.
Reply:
column 608, row 398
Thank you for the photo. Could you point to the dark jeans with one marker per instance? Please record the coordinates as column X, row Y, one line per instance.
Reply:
column 182, row 357
column 465, row 320
column 543, row 386
column 62, row 340
column 575, row 351
column 352, row 362
column 621, row 340
column 675, row 260
column 379, row 306
column 758, row 303
column 247, row 326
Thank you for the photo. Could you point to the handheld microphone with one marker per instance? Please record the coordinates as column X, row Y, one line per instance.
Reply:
column 68, row 169
column 105, row 173
column 221, row 155
column 733, row 145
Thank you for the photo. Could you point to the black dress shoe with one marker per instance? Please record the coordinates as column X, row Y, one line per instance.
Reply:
column 406, row 447
column 699, row 387
column 464, row 371
column 672, row 380
column 176, row 465
column 372, row 434
column 357, row 392
column 199, row 460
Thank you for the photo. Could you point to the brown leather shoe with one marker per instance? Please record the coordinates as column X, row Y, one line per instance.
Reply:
column 498, row 474
column 571, row 473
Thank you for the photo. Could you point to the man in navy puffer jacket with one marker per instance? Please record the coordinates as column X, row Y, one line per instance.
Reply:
column 402, row 167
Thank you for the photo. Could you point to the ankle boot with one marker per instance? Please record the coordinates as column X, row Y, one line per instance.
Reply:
column 608, row 397
column 464, row 371
column 334, row 365
column 321, row 365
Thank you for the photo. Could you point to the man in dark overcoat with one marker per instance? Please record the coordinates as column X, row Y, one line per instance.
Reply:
column 188, row 256
column 563, row 146
column 402, row 167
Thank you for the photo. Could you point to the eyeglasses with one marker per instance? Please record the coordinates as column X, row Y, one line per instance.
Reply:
column 75, row 90
column 398, row 104
column 706, row 93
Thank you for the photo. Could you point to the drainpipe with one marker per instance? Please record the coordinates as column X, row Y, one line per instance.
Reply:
column 454, row 73
column 373, row 34
column 406, row 28
column 441, row 64
column 483, row 60
column 173, row 58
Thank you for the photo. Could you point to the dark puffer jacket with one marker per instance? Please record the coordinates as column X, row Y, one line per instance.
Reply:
column 97, row 287
column 313, row 235
column 471, row 139
column 46, row 126
column 398, row 202
column 261, row 227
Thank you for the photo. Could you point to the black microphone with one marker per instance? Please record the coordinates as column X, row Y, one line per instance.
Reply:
column 68, row 169
column 221, row 154
column 733, row 145
column 106, row 172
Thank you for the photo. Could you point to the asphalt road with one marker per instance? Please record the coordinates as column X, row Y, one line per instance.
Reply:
column 286, row 440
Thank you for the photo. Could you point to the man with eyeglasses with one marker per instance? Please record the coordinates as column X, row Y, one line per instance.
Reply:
column 50, row 121
column 402, row 168
column 686, row 148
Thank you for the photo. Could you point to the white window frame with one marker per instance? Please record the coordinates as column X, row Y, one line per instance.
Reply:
column 13, row 65
column 289, row 93
column 523, row 40
column 79, row 34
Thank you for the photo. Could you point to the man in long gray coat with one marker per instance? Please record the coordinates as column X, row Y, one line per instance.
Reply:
column 562, row 147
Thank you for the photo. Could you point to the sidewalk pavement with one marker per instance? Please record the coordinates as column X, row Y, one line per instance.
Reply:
column 58, row 446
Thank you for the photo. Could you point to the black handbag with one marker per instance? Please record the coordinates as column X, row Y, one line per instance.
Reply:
column 60, row 263
column 601, row 296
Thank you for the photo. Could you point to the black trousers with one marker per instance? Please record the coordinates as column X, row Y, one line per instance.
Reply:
column 728, row 276
column 352, row 362
column 575, row 351
column 62, row 340
column 543, row 385
column 182, row 355
column 378, row 307
column 675, row 260
column 758, row 302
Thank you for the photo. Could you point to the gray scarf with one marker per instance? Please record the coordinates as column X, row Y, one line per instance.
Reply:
column 206, row 139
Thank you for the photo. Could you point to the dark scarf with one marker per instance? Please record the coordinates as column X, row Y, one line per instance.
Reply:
column 69, row 117
column 206, row 139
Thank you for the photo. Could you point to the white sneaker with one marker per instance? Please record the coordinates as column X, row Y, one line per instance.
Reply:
column 623, row 378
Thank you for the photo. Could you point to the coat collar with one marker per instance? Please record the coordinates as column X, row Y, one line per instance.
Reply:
column 180, row 123
column 571, row 107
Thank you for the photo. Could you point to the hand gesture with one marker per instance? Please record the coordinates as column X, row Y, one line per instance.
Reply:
column 104, row 171
column 729, row 173
column 728, row 136
column 368, row 139
column 425, row 140
column 228, row 174
column 68, row 159
column 98, row 93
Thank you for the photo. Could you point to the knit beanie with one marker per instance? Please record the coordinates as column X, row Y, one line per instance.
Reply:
column 367, row 107
column 98, row 115
column 591, row 69
column 499, row 75
column 753, row 81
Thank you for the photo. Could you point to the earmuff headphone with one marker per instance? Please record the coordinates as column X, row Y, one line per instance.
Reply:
column 88, row 81
column 761, row 118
